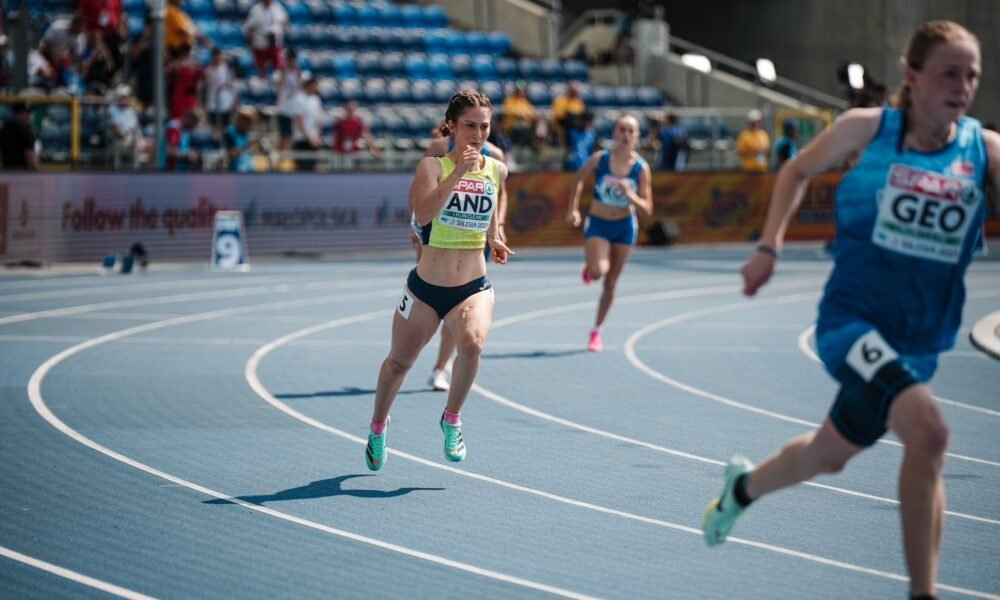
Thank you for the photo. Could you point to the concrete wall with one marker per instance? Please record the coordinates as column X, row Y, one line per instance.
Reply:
column 809, row 40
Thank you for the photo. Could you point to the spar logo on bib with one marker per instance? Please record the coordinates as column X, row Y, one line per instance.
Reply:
column 924, row 213
column 471, row 205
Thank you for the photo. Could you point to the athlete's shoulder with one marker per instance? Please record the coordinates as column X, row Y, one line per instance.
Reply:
column 437, row 147
column 494, row 151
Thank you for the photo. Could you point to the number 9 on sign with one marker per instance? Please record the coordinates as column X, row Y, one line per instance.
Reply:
column 228, row 242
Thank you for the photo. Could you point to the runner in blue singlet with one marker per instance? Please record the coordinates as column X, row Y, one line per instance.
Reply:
column 909, row 217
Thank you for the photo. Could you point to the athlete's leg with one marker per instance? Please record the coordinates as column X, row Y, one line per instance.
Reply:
column 596, row 253
column 446, row 349
column 409, row 336
column 802, row 458
column 921, row 427
column 618, row 255
column 469, row 322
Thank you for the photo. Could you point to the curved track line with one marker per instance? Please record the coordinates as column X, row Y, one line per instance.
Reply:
column 634, row 359
column 80, row 578
column 806, row 348
column 38, row 402
column 253, row 380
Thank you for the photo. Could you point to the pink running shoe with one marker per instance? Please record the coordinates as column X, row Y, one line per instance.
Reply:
column 586, row 276
column 595, row 345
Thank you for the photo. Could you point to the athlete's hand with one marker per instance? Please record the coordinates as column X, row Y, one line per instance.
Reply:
column 757, row 271
column 573, row 218
column 500, row 251
column 467, row 161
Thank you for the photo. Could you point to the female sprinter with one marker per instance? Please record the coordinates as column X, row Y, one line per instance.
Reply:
column 622, row 187
column 453, row 197
column 909, row 216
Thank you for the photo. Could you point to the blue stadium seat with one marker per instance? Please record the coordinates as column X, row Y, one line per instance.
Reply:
column 650, row 96
column 603, row 96
column 343, row 65
column 210, row 29
column 203, row 138
column 319, row 11
column 392, row 64
column 530, row 68
column 375, row 90
column 328, row 90
column 369, row 63
column 375, row 125
column 416, row 66
column 389, row 15
column 626, row 96
column 343, row 14
column 243, row 8
column 477, row 43
column 551, row 69
column 461, row 65
column 434, row 16
column 298, row 11
column 261, row 91
column 422, row 92
column 411, row 15
column 439, row 66
column 364, row 38
column 538, row 93
column 365, row 15
column 576, row 69
column 322, row 62
column 342, row 38
column 484, row 67
column 231, row 33
column 394, row 125
column 444, row 90
column 400, row 91
column 499, row 42
column 296, row 36
column 507, row 68
column 199, row 9
column 494, row 91
column 135, row 27
column 351, row 89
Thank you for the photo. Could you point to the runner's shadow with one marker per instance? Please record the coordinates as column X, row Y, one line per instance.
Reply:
column 324, row 488
column 347, row 391
column 535, row 354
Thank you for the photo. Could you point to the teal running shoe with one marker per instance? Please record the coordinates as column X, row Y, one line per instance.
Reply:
column 454, row 446
column 375, row 453
column 722, row 512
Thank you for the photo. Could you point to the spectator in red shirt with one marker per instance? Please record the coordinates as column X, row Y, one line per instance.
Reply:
column 105, row 17
column 348, row 131
column 184, row 75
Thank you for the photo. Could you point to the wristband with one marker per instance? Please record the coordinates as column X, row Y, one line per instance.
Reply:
column 767, row 250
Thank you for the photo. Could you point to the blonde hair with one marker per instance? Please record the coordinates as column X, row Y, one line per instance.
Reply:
column 459, row 103
column 919, row 47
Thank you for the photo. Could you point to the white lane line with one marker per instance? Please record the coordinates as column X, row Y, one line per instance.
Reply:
column 108, row 289
column 253, row 364
column 744, row 305
column 38, row 402
column 806, row 348
column 80, row 578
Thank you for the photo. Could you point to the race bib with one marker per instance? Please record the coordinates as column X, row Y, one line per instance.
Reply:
column 608, row 193
column 405, row 305
column 925, row 214
column 869, row 354
column 471, row 205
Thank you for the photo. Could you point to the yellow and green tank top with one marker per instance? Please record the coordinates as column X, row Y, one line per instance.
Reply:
column 465, row 218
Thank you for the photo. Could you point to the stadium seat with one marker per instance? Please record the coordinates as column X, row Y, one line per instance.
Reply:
column 499, row 43
column 626, row 96
column 650, row 96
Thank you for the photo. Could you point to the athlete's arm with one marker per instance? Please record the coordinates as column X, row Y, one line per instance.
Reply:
column 849, row 134
column 498, row 241
column 438, row 147
column 643, row 200
column 427, row 196
column 500, row 217
column 576, row 188
column 992, row 140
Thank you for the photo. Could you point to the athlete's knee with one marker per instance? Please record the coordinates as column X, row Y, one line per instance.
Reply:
column 596, row 273
column 471, row 343
column 930, row 433
column 396, row 367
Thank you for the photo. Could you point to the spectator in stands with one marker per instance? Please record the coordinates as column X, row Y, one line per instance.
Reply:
column 97, row 65
column 219, row 93
column 178, row 29
column 63, row 42
column 307, row 123
column 520, row 117
column 569, row 103
column 787, row 145
column 40, row 72
column 105, row 17
column 126, row 134
column 265, row 31
column 288, row 79
column 240, row 143
column 17, row 140
column 184, row 74
column 179, row 153
column 141, row 56
column 673, row 139
column 753, row 144
column 581, row 139
column 351, row 129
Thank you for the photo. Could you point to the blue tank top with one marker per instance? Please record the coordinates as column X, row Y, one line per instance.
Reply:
column 605, row 191
column 908, row 223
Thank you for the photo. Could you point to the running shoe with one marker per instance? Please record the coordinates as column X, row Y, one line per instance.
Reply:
column 439, row 380
column 375, row 453
column 595, row 344
column 454, row 446
column 586, row 276
column 722, row 512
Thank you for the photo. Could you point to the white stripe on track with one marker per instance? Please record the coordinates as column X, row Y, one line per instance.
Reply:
column 253, row 379
column 80, row 578
column 634, row 359
column 806, row 348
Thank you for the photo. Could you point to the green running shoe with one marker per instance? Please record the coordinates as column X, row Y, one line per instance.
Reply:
column 375, row 453
column 454, row 447
column 722, row 512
